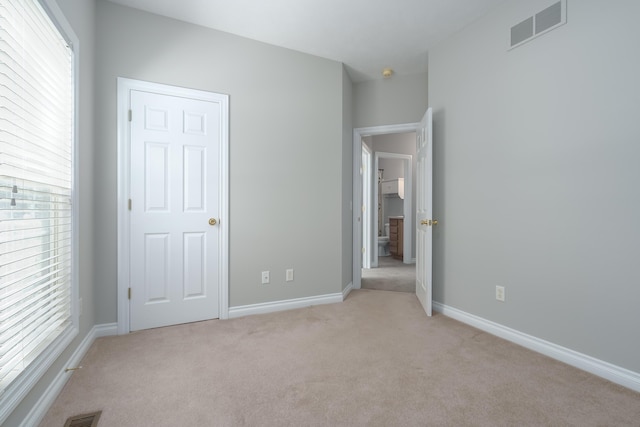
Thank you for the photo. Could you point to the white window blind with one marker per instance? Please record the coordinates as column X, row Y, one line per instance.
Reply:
column 36, row 146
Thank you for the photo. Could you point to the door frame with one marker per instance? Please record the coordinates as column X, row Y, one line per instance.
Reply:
column 358, row 134
column 366, row 172
column 407, row 207
column 124, row 87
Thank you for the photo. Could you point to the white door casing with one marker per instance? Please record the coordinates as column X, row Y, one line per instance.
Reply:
column 358, row 134
column 424, row 212
column 173, row 166
column 366, row 175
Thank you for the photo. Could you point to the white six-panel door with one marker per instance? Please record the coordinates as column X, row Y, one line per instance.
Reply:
column 174, row 214
column 424, row 214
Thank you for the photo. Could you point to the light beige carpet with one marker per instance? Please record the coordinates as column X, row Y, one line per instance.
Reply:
column 374, row 360
column 390, row 275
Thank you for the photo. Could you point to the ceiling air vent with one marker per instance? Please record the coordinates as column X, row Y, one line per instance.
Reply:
column 538, row 24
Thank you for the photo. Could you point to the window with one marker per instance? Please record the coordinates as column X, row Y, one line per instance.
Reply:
column 37, row 100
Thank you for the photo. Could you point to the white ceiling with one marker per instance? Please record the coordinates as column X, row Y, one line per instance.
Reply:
column 366, row 35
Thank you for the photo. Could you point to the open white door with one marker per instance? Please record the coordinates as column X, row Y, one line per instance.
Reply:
column 424, row 213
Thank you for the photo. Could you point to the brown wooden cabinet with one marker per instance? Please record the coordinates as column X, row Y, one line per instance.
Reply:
column 396, row 241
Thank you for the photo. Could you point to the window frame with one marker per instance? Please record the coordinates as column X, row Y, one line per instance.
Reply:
column 27, row 379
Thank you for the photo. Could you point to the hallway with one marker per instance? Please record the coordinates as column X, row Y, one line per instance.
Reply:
column 391, row 275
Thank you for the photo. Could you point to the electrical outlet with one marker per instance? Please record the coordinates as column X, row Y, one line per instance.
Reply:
column 265, row 277
column 289, row 275
column 500, row 293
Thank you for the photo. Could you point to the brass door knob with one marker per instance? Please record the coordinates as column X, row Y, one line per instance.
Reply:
column 212, row 221
column 435, row 222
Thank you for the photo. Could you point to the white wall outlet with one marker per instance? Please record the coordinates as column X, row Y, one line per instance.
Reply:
column 500, row 293
column 289, row 275
column 265, row 277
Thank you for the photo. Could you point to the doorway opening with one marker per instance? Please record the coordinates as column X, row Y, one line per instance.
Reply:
column 392, row 201
column 380, row 263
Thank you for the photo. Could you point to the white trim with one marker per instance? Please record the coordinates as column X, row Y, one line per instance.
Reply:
column 125, row 86
column 105, row 330
column 367, row 180
column 346, row 291
column 357, row 202
column 613, row 373
column 39, row 410
column 358, row 134
column 290, row 304
column 123, row 134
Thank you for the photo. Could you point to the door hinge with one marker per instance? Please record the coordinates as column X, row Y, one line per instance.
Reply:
column 130, row 115
column 362, row 250
column 129, row 293
column 129, row 204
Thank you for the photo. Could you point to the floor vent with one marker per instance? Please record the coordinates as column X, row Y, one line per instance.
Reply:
column 86, row 420
column 538, row 24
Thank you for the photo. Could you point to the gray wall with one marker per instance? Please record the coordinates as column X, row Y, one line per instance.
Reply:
column 399, row 99
column 285, row 153
column 81, row 16
column 399, row 143
column 347, row 179
column 393, row 168
column 536, row 176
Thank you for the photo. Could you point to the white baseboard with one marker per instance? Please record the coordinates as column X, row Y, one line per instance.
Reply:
column 270, row 307
column 104, row 330
column 346, row 291
column 603, row 369
column 40, row 409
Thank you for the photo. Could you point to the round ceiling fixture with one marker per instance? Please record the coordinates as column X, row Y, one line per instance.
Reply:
column 387, row 72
